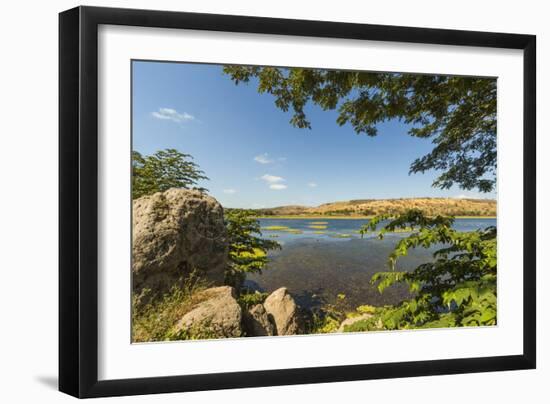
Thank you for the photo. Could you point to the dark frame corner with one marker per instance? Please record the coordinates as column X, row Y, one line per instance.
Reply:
column 78, row 177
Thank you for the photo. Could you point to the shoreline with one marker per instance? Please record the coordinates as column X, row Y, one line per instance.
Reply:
column 320, row 217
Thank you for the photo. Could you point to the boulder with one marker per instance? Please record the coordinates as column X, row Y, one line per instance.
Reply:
column 284, row 313
column 218, row 315
column 175, row 233
column 353, row 320
column 256, row 322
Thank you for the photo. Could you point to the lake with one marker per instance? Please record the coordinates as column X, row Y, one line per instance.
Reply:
column 321, row 258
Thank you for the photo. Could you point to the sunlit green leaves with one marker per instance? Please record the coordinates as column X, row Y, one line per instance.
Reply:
column 458, row 288
column 247, row 250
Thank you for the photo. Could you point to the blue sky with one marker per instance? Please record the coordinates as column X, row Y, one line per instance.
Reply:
column 255, row 158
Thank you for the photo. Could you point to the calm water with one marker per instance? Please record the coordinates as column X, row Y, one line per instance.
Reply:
column 317, row 267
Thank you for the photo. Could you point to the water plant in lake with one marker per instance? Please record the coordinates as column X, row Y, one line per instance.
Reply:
column 319, row 232
column 285, row 229
column 317, row 226
column 318, row 223
column 340, row 235
column 276, row 228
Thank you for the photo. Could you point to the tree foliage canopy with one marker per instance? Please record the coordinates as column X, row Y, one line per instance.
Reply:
column 458, row 288
column 458, row 114
column 164, row 170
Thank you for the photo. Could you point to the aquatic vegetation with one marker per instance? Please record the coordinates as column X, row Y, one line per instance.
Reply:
column 285, row 229
column 319, row 232
column 276, row 228
column 367, row 229
column 340, row 235
column 318, row 223
column 317, row 226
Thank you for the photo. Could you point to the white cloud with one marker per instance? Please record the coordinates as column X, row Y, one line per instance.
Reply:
column 229, row 191
column 312, row 184
column 263, row 159
column 277, row 187
column 172, row 115
column 272, row 179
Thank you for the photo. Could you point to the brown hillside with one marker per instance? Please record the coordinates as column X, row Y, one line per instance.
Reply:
column 371, row 207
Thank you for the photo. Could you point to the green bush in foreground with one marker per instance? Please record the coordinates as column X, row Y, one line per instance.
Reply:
column 457, row 289
column 249, row 300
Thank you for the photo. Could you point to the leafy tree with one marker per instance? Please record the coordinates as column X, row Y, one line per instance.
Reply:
column 164, row 170
column 247, row 250
column 458, row 114
column 457, row 289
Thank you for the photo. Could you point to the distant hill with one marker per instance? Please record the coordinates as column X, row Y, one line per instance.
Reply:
column 371, row 207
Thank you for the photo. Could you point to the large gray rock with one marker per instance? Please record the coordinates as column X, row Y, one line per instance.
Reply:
column 217, row 316
column 175, row 233
column 283, row 311
column 256, row 322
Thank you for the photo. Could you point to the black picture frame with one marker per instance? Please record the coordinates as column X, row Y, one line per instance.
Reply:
column 78, row 201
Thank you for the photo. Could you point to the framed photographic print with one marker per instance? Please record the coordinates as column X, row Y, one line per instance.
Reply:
column 251, row 201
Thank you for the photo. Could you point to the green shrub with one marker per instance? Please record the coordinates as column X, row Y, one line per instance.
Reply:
column 247, row 250
column 248, row 300
column 458, row 288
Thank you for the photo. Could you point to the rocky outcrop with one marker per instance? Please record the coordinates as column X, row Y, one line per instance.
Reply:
column 175, row 233
column 284, row 313
column 217, row 316
column 350, row 321
column 256, row 322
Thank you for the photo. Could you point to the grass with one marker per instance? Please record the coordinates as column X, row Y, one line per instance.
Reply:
column 155, row 320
